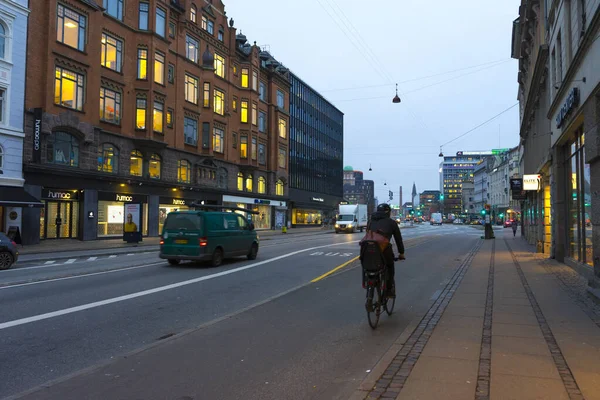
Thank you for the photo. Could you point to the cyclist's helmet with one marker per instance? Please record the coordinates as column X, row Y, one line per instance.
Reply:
column 385, row 208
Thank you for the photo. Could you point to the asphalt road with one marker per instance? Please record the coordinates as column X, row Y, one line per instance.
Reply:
column 249, row 329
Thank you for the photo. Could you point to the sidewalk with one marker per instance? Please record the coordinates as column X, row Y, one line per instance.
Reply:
column 509, row 325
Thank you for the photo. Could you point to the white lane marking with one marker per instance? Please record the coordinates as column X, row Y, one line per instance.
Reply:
column 40, row 317
column 78, row 276
column 70, row 261
column 113, row 256
column 92, row 258
column 49, row 262
column 130, row 254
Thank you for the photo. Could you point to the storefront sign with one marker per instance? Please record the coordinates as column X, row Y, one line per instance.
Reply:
column 122, row 197
column 516, row 184
column 37, row 134
column 571, row 102
column 65, row 195
column 260, row 201
column 532, row 182
column 319, row 199
column 247, row 200
column 91, row 215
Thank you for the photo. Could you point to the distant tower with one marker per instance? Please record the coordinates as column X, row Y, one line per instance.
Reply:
column 414, row 194
column 400, row 199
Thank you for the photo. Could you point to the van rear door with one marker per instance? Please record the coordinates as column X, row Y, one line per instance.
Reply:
column 181, row 234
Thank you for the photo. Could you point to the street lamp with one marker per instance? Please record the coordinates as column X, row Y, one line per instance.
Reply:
column 370, row 169
column 396, row 98
column 441, row 153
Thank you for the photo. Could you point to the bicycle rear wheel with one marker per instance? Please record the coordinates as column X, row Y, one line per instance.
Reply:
column 373, row 305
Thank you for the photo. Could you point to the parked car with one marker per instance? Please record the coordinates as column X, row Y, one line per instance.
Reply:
column 8, row 252
column 508, row 223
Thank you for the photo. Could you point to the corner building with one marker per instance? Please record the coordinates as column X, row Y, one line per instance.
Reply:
column 159, row 102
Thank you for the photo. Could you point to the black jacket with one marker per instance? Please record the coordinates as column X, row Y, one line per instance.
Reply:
column 386, row 226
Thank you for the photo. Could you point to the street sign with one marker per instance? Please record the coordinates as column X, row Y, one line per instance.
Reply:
column 516, row 184
column 499, row 151
column 532, row 182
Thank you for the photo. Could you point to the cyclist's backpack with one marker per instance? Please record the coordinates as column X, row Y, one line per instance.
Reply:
column 371, row 251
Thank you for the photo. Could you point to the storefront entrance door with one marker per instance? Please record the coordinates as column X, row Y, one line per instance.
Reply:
column 59, row 217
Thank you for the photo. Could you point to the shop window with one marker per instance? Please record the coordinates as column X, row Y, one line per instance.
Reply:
column 108, row 158
column 136, row 163
column 240, row 181
column 70, row 29
column 262, row 185
column 68, row 89
column 249, row 183
column 62, row 149
column 184, row 171
column 111, row 53
column 154, row 167
column 279, row 188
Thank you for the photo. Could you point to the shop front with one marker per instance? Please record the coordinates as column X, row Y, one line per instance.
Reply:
column 170, row 204
column 60, row 215
column 112, row 216
column 12, row 202
column 312, row 209
column 271, row 212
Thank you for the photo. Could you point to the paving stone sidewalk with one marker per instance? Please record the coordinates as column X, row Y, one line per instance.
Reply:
column 511, row 325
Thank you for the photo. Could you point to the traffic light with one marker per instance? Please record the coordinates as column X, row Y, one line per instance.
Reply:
column 501, row 215
column 441, row 197
column 482, row 212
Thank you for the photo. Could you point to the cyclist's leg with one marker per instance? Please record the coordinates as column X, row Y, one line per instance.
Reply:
column 390, row 270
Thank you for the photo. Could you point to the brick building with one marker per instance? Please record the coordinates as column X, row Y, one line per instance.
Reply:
column 158, row 103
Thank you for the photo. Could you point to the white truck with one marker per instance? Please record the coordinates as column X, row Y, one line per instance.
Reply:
column 436, row 219
column 351, row 218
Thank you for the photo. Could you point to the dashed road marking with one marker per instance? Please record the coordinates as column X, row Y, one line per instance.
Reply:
column 70, row 261
column 92, row 258
column 49, row 262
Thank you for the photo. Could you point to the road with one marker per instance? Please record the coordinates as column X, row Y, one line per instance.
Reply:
column 132, row 326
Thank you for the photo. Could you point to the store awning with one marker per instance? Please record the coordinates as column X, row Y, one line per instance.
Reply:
column 17, row 197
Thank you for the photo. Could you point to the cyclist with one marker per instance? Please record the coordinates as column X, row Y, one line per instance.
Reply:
column 382, row 223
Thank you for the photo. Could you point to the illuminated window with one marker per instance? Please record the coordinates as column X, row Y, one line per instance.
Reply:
column 234, row 104
column 68, row 89
column 184, row 171
column 279, row 188
column 111, row 52
column 254, row 80
column 142, row 64
column 262, row 185
column 110, row 106
column 158, row 117
column 282, row 128
column 249, row 183
column 218, row 140
column 219, row 66
column 282, row 159
column 191, row 89
column 70, row 28
column 159, row 68
column 169, row 118
column 140, row 114
column 108, row 158
column 207, row 95
column 245, row 73
column 193, row 13
column 244, row 113
column 219, row 102
column 254, row 114
column 191, row 48
column 244, row 146
column 240, row 181
column 136, row 163
column 154, row 167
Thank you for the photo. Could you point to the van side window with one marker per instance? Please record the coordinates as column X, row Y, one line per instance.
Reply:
column 231, row 222
column 242, row 222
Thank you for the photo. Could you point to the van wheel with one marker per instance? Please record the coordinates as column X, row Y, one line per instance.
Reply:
column 253, row 252
column 217, row 258
column 6, row 260
column 173, row 261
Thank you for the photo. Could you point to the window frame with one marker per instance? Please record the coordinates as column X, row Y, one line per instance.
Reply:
column 81, row 36
column 240, row 182
column 255, row 80
column 249, row 183
column 117, row 97
column 262, row 185
column 279, row 185
column 190, row 40
column 244, row 147
column 119, row 5
column 262, row 91
column 104, row 48
column 206, row 95
column 157, row 110
column 137, row 114
column 218, row 101
column 79, row 84
column 190, row 123
column 142, row 63
column 141, row 14
column 254, row 114
column 171, row 73
column 155, row 159
column 254, row 149
column 262, row 155
column 245, row 80
column 102, row 164
column 73, row 142
column 169, row 118
column 181, row 164
column 138, row 155
column 244, row 111
column 280, row 153
column 281, row 95
column 193, row 13
column 282, row 122
column 219, row 65
column 157, row 62
column 220, row 133
column 164, row 15
column 191, row 88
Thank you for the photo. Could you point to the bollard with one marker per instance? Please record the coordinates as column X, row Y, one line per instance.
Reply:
column 284, row 229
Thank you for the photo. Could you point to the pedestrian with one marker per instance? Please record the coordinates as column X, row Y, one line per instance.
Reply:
column 514, row 228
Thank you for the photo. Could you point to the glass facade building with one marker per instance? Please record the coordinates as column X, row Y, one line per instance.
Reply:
column 316, row 154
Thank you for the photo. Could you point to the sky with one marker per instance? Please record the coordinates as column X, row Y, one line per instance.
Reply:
column 354, row 52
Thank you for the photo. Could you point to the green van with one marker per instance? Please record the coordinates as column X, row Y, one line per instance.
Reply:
column 207, row 236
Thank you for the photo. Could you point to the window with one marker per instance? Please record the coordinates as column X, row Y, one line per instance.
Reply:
column 262, row 185
column 159, row 68
column 63, row 149
column 191, row 89
column 154, row 166
column 253, row 149
column 70, row 29
column 262, row 154
column 254, row 114
column 114, row 8
column 282, row 159
column 262, row 91
column 108, row 158
column 208, row 25
column 219, row 102
column 245, row 73
column 143, row 18
column 192, row 46
column 282, row 128
column 110, row 106
column 249, row 183
column 221, row 34
column 193, row 12
column 169, row 118
column 171, row 74
column 280, row 99
column 219, row 66
column 136, row 163
column 68, row 89
column 1, row 158
column 142, row 64
column 2, row 105
column 190, row 131
column 171, row 29
column 184, row 171
column 559, row 59
column 262, row 121
column 254, row 80
column 234, row 104
column 140, row 114
column 235, row 70
column 158, row 117
column 161, row 22
column 218, row 134
column 243, row 146
column 240, row 181
column 205, row 135
column 204, row 22
column 234, row 140
column 244, row 116
column 279, row 188
column 111, row 53
column 207, row 95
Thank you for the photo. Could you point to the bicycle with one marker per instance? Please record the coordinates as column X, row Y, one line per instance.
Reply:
column 375, row 285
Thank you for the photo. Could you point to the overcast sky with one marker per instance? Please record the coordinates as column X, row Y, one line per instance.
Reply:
column 353, row 44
